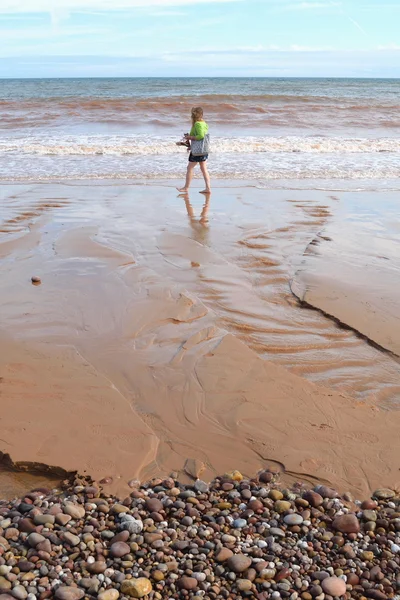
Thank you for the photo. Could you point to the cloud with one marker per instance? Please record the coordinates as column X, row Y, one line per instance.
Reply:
column 35, row 6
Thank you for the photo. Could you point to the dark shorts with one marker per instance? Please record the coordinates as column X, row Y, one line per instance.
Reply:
column 201, row 158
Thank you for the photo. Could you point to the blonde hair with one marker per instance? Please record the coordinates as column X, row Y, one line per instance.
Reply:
column 197, row 114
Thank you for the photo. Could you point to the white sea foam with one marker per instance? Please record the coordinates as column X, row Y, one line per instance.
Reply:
column 145, row 145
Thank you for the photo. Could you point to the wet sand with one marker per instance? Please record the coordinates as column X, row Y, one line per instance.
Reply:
column 165, row 331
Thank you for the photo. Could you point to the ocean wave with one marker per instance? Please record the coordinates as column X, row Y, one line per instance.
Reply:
column 144, row 145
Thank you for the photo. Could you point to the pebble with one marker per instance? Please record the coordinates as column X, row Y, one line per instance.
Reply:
column 187, row 583
column 34, row 539
column 134, row 526
column 71, row 539
column 384, row 494
column 69, row 593
column 119, row 549
column 229, row 539
column 201, row 486
column 347, row 523
column 334, row 586
column 19, row 592
column 369, row 515
column 74, row 510
column 111, row 594
column 313, row 498
column 282, row 506
column 239, row 523
column 238, row 563
column 223, row 555
column 136, row 588
column 293, row 519
column 244, row 585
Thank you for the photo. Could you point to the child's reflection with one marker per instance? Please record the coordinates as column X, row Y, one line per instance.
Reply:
column 199, row 224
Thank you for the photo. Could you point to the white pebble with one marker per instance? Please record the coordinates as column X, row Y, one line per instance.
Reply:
column 91, row 560
column 260, row 544
column 395, row 548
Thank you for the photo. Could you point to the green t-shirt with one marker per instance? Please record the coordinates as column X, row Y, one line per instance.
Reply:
column 199, row 130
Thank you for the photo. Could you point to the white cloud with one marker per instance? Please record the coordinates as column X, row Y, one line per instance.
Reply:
column 35, row 6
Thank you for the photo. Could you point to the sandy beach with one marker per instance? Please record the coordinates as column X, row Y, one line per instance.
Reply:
column 165, row 337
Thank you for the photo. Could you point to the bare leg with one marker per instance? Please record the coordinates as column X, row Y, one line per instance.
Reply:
column 204, row 170
column 189, row 177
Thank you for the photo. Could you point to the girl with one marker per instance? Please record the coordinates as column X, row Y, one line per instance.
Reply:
column 198, row 131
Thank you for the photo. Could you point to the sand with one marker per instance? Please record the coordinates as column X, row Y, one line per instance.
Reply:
column 160, row 339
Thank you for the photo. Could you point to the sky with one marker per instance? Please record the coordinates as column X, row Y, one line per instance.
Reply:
column 163, row 38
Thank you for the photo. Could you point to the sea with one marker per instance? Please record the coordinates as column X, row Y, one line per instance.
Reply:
column 335, row 133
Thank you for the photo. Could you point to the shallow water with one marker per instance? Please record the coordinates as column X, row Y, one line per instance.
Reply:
column 251, row 244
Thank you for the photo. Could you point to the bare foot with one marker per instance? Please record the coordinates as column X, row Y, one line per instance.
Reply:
column 205, row 192
column 183, row 190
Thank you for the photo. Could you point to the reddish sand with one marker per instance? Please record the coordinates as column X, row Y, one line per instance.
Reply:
column 126, row 362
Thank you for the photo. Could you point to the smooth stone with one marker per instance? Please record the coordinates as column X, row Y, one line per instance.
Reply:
column 313, row 498
column 277, row 532
column 347, row 523
column 369, row 505
column 187, row 583
column 19, row 592
column 43, row 519
column 119, row 549
column 4, row 584
column 34, row 539
column 71, row 539
column 326, row 492
column 234, row 476
column 239, row 523
column 136, row 588
column 201, row 486
column 134, row 526
column 265, row 477
column 239, row 563
column 69, row 593
column 244, row 585
column 334, row 586
column 223, row 555
column 76, row 511
column 119, row 509
column 384, row 494
column 154, row 505
column 282, row 506
column 26, row 525
column 111, row 594
column 293, row 519
column 255, row 504
column 99, row 566
column 62, row 519
column 275, row 495
column 369, row 515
